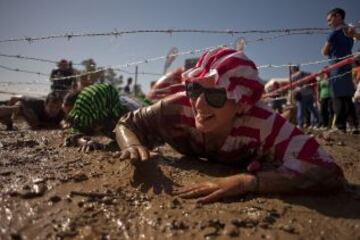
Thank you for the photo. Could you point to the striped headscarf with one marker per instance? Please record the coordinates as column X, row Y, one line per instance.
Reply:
column 232, row 70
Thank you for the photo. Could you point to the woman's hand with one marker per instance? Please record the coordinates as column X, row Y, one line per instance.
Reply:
column 212, row 191
column 135, row 153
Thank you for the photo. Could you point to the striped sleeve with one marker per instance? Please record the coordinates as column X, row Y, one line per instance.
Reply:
column 299, row 154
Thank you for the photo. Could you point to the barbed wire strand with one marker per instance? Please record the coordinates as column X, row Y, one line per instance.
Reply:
column 22, row 70
column 269, row 97
column 33, row 58
column 55, row 62
column 189, row 52
column 155, row 74
column 116, row 33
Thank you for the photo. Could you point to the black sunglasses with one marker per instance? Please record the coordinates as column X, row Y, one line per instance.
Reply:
column 214, row 97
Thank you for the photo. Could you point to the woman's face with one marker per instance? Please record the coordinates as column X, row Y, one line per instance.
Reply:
column 209, row 119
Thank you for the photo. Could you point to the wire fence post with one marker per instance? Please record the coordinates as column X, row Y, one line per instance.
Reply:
column 135, row 79
column 291, row 89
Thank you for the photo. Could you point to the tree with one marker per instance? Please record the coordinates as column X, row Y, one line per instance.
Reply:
column 112, row 78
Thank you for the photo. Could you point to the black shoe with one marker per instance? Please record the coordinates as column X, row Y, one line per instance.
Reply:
column 355, row 131
column 337, row 130
column 9, row 126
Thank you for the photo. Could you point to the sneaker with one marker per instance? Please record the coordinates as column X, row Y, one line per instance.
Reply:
column 316, row 128
column 9, row 126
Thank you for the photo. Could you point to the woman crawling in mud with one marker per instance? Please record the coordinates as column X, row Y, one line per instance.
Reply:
column 220, row 117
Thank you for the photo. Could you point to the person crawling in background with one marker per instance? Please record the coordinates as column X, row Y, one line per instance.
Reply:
column 166, row 85
column 220, row 117
column 93, row 112
column 37, row 112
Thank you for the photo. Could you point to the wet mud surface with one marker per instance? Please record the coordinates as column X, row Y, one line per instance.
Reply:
column 51, row 192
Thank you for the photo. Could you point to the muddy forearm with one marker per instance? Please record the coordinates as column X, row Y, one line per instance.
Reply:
column 277, row 181
column 140, row 127
column 274, row 182
column 125, row 137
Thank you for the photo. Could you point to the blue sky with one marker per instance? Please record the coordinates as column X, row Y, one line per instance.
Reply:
column 20, row 18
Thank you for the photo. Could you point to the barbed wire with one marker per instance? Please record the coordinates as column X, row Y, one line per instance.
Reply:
column 22, row 70
column 247, row 42
column 33, row 58
column 55, row 62
column 309, row 63
column 189, row 52
column 141, row 73
column 275, row 92
column 25, row 83
column 16, row 93
column 116, row 68
column 117, row 33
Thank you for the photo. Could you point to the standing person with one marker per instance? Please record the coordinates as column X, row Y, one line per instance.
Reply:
column 127, row 88
column 166, row 85
column 84, row 80
column 324, row 98
column 220, row 117
column 356, row 79
column 64, row 70
column 305, row 101
column 277, row 101
column 338, row 45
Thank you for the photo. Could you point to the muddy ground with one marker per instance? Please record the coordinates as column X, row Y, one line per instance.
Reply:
column 51, row 192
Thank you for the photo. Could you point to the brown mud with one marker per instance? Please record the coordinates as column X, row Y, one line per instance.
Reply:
column 51, row 192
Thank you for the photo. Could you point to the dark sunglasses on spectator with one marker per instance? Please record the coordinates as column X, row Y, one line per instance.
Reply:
column 215, row 97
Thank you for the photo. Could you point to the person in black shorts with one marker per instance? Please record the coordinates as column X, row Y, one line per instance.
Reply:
column 37, row 112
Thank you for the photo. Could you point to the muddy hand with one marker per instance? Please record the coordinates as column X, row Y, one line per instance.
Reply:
column 212, row 191
column 135, row 153
column 90, row 145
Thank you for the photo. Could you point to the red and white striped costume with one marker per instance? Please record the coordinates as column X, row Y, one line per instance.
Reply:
column 257, row 132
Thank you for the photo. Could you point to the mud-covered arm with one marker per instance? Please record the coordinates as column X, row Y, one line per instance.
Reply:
column 125, row 137
column 140, row 130
column 277, row 181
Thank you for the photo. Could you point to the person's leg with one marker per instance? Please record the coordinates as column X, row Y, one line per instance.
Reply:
column 299, row 114
column 324, row 112
column 314, row 114
column 14, row 100
column 331, row 111
column 29, row 115
column 357, row 109
column 307, row 116
column 351, row 112
column 6, row 113
column 340, row 113
column 307, row 112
